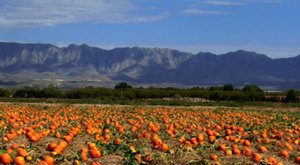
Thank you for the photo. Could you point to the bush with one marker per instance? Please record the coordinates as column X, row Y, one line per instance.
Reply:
column 291, row 96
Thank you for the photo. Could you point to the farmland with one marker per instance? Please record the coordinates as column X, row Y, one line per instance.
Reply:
column 81, row 134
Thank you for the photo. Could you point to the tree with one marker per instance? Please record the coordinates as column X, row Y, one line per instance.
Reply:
column 291, row 96
column 228, row 87
column 253, row 93
column 28, row 92
column 215, row 88
column 51, row 92
column 122, row 86
column 252, row 88
column 217, row 96
column 3, row 92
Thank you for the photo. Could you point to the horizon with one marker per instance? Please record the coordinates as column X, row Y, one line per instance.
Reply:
column 223, row 53
column 216, row 26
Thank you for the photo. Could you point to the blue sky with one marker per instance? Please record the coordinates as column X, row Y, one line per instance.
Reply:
column 271, row 27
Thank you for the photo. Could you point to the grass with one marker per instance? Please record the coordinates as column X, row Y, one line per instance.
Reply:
column 122, row 101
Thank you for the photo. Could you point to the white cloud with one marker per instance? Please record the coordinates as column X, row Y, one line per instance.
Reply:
column 193, row 11
column 267, row 1
column 224, row 3
column 15, row 13
column 241, row 2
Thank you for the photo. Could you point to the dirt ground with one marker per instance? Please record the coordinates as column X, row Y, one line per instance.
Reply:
column 291, row 109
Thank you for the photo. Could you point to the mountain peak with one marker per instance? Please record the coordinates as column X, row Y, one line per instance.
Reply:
column 72, row 66
column 72, row 46
column 246, row 54
column 84, row 45
column 245, row 51
column 242, row 52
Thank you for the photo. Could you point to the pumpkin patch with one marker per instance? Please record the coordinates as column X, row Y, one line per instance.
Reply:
column 69, row 134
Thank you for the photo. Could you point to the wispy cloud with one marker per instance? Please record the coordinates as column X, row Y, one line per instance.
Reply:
column 224, row 3
column 193, row 11
column 267, row 1
column 15, row 13
column 241, row 2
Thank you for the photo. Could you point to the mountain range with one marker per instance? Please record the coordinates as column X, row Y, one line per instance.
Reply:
column 83, row 65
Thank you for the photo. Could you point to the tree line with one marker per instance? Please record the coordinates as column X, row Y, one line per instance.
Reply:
column 124, row 90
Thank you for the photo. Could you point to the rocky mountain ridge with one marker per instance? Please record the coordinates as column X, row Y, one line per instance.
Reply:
column 82, row 65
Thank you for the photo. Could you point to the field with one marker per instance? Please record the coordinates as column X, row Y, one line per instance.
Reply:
column 73, row 134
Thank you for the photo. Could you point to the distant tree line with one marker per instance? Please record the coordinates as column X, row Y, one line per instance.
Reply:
column 123, row 90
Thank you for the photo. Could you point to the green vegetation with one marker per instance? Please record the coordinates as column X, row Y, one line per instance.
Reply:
column 124, row 93
column 291, row 96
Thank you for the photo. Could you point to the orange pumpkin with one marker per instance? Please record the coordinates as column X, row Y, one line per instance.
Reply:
column 256, row 157
column 49, row 160
column 117, row 141
column 95, row 153
column 5, row 159
column 19, row 160
column 21, row 152
column 213, row 157
column 284, row 153
column 164, row 147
